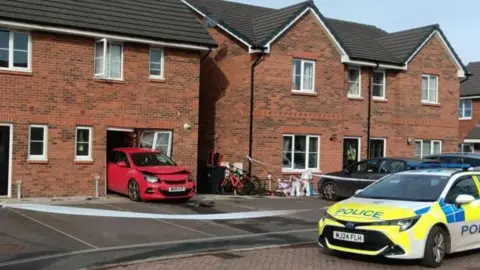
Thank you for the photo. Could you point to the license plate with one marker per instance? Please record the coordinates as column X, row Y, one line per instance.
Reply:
column 349, row 237
column 176, row 189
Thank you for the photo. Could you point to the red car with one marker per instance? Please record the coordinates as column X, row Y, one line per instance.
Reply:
column 145, row 174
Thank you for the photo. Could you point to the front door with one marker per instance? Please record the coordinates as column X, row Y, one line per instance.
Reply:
column 463, row 220
column 4, row 159
column 351, row 150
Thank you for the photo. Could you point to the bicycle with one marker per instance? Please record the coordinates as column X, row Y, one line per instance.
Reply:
column 242, row 183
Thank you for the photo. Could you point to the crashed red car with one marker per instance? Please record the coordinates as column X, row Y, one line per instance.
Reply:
column 145, row 174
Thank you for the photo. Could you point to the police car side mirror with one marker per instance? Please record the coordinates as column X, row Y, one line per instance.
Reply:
column 464, row 199
column 346, row 172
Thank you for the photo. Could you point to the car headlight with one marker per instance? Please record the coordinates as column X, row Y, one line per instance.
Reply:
column 326, row 215
column 190, row 178
column 151, row 178
column 404, row 224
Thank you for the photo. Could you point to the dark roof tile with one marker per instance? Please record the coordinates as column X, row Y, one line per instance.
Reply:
column 471, row 87
column 166, row 20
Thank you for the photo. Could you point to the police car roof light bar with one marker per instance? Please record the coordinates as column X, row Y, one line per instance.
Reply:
column 438, row 165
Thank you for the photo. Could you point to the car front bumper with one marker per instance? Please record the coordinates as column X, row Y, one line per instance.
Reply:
column 386, row 241
column 161, row 191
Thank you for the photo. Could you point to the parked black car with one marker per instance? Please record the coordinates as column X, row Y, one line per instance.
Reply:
column 343, row 184
column 472, row 159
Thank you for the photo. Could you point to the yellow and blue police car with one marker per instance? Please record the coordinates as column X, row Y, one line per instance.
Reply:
column 418, row 214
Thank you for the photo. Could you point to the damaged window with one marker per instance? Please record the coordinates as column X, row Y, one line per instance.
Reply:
column 157, row 140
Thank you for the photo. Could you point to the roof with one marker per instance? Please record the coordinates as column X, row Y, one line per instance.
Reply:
column 471, row 87
column 257, row 26
column 474, row 134
column 165, row 20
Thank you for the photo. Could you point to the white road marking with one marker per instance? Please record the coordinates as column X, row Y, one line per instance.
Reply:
column 208, row 222
column 147, row 245
column 166, row 222
column 53, row 228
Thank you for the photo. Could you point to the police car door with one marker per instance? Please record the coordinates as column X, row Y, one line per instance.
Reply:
column 463, row 220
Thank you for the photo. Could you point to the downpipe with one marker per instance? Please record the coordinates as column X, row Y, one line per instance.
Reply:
column 369, row 117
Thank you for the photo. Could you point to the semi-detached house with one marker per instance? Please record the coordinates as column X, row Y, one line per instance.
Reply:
column 297, row 84
column 78, row 78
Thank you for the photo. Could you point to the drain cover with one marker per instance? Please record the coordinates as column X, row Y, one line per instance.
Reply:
column 10, row 248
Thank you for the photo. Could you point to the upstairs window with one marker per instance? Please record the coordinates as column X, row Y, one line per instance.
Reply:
column 429, row 89
column 378, row 85
column 156, row 63
column 465, row 109
column 303, row 76
column 15, row 50
column 108, row 60
column 354, row 83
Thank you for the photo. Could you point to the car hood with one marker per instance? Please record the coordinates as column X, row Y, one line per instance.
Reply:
column 368, row 210
column 163, row 170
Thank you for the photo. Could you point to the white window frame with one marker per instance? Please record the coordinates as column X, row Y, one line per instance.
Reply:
column 359, row 70
column 384, row 145
column 470, row 145
column 384, row 82
column 90, row 140
column 11, row 51
column 105, row 74
column 432, row 142
column 155, row 138
column 429, row 77
column 307, row 147
column 462, row 104
column 302, row 74
column 44, row 156
column 162, row 63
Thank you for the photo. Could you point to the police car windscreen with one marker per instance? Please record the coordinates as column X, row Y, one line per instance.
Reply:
column 407, row 187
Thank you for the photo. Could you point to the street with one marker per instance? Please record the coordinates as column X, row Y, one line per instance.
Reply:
column 49, row 241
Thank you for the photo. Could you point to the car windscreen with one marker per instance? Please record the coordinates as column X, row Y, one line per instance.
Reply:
column 149, row 159
column 407, row 187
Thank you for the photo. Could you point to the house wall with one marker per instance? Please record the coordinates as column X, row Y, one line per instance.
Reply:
column 466, row 125
column 61, row 92
column 329, row 113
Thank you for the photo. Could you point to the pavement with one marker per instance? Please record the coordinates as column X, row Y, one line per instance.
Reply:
column 301, row 257
column 34, row 240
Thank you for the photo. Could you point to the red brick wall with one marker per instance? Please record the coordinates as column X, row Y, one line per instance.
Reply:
column 62, row 93
column 329, row 112
column 225, row 100
column 466, row 125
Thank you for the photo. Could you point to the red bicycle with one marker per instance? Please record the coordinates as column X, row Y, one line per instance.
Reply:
column 242, row 183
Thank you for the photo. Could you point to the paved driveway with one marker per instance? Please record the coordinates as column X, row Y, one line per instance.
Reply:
column 33, row 240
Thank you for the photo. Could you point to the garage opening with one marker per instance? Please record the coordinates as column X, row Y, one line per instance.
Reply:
column 118, row 138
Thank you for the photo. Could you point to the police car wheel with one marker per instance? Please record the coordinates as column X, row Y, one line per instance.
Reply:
column 435, row 248
column 330, row 191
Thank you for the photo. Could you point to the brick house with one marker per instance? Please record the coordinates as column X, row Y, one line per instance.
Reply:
column 82, row 77
column 469, row 106
column 308, row 78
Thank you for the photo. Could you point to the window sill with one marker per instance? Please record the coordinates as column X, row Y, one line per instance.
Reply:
column 16, row 72
column 292, row 172
column 431, row 104
column 156, row 79
column 83, row 161
column 107, row 80
column 304, row 93
column 380, row 100
column 39, row 161
column 354, row 98
column 465, row 119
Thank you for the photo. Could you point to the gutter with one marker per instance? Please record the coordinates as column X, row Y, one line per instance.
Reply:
column 467, row 75
column 369, row 117
column 252, row 104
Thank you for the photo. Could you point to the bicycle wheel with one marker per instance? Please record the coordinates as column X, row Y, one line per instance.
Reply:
column 246, row 189
column 256, row 186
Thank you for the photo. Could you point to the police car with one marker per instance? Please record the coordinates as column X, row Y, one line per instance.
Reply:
column 418, row 214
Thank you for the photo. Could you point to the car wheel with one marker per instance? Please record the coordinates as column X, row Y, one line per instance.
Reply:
column 435, row 248
column 133, row 191
column 329, row 191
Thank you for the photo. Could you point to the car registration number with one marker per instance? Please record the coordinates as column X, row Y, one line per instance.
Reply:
column 349, row 237
column 176, row 189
